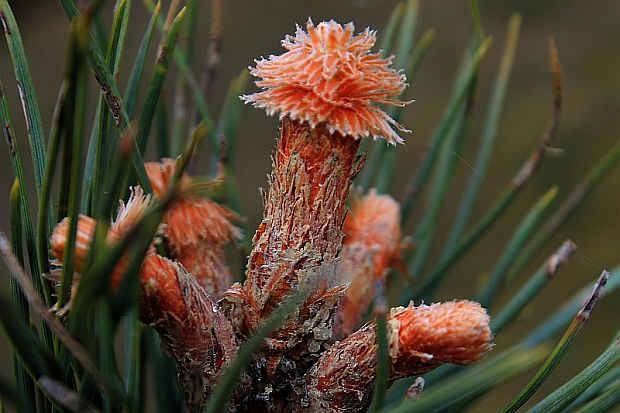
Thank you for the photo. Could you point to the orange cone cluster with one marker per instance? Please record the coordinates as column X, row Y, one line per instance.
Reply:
column 177, row 304
column 326, row 88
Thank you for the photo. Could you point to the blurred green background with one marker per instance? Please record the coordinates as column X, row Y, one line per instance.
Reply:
column 588, row 40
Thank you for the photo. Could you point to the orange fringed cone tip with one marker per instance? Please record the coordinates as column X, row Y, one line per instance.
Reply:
column 326, row 88
column 192, row 219
column 130, row 213
column 160, row 175
column 328, row 75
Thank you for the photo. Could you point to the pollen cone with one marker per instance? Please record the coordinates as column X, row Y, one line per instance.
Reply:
column 197, row 230
column 419, row 340
column 372, row 243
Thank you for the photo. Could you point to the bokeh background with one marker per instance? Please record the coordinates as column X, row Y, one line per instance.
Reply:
column 588, row 40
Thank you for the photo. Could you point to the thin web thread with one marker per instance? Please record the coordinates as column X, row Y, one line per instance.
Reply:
column 579, row 254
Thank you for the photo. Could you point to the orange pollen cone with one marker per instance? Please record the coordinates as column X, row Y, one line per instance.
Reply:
column 197, row 230
column 372, row 243
column 419, row 340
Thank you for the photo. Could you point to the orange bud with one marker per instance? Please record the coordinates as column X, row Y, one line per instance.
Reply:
column 160, row 286
column 85, row 231
column 374, row 224
column 453, row 332
column 197, row 230
column 372, row 243
column 128, row 215
column 84, row 235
